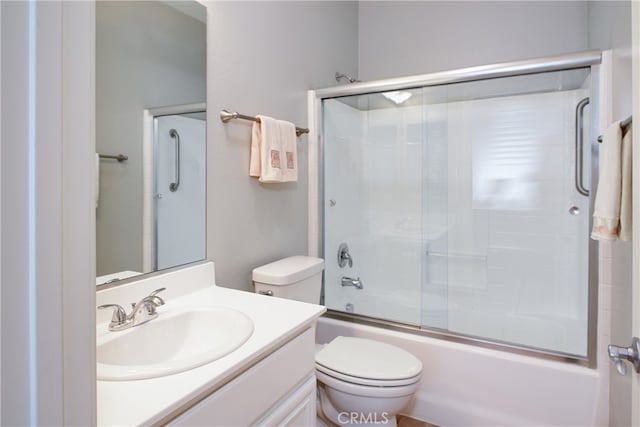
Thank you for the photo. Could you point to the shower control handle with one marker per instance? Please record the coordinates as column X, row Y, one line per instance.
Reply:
column 344, row 257
column 348, row 281
column 632, row 354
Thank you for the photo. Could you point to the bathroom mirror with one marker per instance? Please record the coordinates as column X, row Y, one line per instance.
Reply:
column 150, row 136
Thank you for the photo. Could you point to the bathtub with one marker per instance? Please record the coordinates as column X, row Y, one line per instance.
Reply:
column 464, row 385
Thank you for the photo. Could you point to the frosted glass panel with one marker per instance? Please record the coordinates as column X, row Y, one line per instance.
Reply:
column 373, row 204
column 517, row 259
column 455, row 206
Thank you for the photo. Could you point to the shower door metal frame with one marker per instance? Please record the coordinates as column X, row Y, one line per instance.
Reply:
column 589, row 59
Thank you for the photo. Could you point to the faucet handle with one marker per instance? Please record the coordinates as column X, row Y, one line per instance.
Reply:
column 344, row 257
column 157, row 291
column 119, row 315
column 151, row 301
column 154, row 300
column 152, row 297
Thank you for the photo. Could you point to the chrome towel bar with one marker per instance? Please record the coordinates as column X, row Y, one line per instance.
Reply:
column 623, row 124
column 118, row 157
column 226, row 116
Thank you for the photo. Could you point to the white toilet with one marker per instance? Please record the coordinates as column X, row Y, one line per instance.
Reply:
column 361, row 381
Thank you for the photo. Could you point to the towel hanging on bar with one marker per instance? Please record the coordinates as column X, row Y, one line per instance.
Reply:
column 273, row 151
column 226, row 115
column 623, row 124
column 612, row 208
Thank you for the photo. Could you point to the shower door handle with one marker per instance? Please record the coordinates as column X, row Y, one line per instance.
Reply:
column 175, row 135
column 579, row 146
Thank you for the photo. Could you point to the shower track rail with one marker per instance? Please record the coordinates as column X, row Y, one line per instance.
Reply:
column 483, row 72
column 456, row 337
column 570, row 61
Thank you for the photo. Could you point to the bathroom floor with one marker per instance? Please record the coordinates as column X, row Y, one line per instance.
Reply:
column 404, row 421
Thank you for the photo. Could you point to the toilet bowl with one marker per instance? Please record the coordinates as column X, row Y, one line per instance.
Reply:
column 361, row 382
column 365, row 382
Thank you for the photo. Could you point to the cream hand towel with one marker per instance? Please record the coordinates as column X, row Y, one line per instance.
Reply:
column 606, row 215
column 289, row 151
column 255, row 163
column 266, row 141
column 625, row 202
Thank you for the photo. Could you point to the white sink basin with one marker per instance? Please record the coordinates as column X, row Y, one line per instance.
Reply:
column 177, row 340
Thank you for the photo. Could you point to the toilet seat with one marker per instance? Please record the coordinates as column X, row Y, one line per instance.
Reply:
column 367, row 362
column 330, row 382
column 366, row 381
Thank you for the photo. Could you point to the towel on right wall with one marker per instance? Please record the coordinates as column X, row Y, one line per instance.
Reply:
column 612, row 211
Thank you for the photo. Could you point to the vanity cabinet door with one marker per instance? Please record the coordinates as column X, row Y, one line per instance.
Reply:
column 296, row 410
column 246, row 399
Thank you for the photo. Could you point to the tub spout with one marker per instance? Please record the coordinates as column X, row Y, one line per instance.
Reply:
column 348, row 281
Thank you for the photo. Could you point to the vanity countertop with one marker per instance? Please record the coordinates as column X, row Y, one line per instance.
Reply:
column 150, row 401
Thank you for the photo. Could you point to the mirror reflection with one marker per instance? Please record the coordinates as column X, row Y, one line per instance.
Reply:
column 150, row 109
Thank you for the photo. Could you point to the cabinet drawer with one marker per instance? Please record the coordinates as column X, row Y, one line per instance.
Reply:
column 255, row 391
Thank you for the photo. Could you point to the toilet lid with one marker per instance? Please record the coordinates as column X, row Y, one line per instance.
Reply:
column 364, row 358
column 323, row 372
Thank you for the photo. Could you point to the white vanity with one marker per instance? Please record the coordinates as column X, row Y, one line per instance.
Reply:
column 268, row 380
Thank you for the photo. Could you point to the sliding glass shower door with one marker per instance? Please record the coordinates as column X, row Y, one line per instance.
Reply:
column 461, row 208
column 374, row 206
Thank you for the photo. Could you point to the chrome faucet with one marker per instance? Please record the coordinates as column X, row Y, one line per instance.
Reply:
column 143, row 311
column 343, row 256
column 348, row 281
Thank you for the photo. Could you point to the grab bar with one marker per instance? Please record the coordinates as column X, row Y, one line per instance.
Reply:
column 579, row 146
column 174, row 185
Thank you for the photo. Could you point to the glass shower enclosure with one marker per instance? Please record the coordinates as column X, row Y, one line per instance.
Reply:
column 463, row 208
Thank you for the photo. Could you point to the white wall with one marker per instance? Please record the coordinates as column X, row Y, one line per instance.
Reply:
column 610, row 28
column 15, row 389
column 172, row 72
column 48, row 228
column 399, row 38
column 262, row 58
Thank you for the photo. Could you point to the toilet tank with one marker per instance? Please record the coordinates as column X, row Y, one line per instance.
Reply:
column 297, row 278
